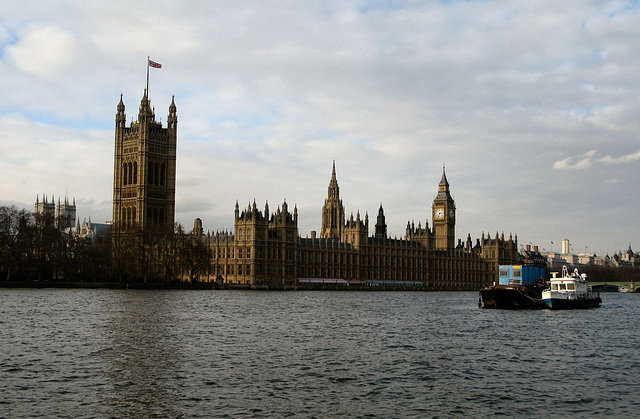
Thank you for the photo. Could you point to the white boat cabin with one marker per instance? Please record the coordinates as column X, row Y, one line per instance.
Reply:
column 569, row 283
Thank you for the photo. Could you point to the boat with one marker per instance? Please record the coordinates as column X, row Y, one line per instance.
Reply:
column 570, row 291
column 519, row 287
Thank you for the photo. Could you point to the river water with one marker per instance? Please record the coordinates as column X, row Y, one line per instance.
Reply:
column 125, row 353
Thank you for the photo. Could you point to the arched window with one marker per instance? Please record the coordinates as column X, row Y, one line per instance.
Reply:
column 135, row 173
column 150, row 174
column 124, row 174
column 156, row 175
column 162, row 175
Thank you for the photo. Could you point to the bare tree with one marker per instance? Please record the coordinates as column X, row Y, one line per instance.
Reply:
column 14, row 238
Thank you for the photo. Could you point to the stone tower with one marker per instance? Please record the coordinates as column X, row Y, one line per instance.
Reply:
column 333, row 211
column 66, row 214
column 381, row 225
column 144, row 173
column 45, row 210
column 444, row 216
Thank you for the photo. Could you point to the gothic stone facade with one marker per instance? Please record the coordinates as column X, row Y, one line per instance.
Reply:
column 144, row 173
column 266, row 251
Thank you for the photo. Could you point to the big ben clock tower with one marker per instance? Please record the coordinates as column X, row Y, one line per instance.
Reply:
column 444, row 216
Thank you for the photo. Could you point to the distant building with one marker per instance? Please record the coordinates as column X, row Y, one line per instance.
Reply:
column 625, row 259
column 92, row 230
column 63, row 216
column 66, row 215
column 265, row 249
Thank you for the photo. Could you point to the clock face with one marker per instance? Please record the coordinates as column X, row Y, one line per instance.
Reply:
column 439, row 213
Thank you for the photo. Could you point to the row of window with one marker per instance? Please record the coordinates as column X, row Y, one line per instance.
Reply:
column 128, row 216
column 157, row 174
column 130, row 173
column 154, row 216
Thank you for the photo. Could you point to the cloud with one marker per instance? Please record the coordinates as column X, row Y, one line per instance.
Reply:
column 269, row 94
column 584, row 161
column 628, row 158
column 44, row 51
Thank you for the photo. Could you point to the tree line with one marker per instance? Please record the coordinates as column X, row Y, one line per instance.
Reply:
column 597, row 273
column 32, row 248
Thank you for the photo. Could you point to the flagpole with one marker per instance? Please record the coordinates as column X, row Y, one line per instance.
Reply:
column 148, row 58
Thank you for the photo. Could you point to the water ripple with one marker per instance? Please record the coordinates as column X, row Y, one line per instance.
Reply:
column 125, row 353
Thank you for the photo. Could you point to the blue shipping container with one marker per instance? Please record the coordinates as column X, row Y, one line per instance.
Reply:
column 520, row 274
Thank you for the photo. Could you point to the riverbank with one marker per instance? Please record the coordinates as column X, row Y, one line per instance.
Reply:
column 108, row 285
column 202, row 286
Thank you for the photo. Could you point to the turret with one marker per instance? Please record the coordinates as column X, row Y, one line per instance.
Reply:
column 145, row 113
column 381, row 226
column 121, row 118
column 172, row 119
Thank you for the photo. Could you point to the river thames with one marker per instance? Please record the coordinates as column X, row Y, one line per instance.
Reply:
column 125, row 353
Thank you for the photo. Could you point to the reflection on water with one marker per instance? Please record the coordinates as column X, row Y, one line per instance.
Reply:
column 142, row 355
column 126, row 353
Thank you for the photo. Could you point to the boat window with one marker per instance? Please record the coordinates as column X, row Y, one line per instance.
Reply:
column 563, row 287
column 504, row 273
column 517, row 273
column 571, row 287
column 554, row 287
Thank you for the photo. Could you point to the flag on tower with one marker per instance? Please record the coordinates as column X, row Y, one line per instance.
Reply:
column 154, row 64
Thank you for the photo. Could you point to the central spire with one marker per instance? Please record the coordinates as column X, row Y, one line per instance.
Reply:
column 332, row 211
column 334, row 189
column 443, row 181
column 145, row 111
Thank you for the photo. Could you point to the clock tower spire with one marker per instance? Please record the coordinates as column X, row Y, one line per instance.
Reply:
column 444, row 216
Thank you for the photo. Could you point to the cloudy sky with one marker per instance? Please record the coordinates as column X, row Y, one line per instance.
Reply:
column 532, row 106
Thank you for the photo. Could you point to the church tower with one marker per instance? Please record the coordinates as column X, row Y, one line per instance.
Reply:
column 144, row 173
column 444, row 216
column 332, row 211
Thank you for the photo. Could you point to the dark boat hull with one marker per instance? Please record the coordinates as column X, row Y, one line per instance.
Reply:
column 562, row 304
column 507, row 297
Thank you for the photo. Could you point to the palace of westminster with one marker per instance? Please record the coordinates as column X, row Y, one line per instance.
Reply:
column 265, row 249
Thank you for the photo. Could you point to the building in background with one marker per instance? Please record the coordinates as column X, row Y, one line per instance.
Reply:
column 266, row 251
column 62, row 216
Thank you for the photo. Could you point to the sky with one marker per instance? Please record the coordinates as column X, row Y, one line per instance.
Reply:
column 532, row 107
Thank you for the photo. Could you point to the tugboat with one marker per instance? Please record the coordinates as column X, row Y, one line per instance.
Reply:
column 570, row 291
column 519, row 287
